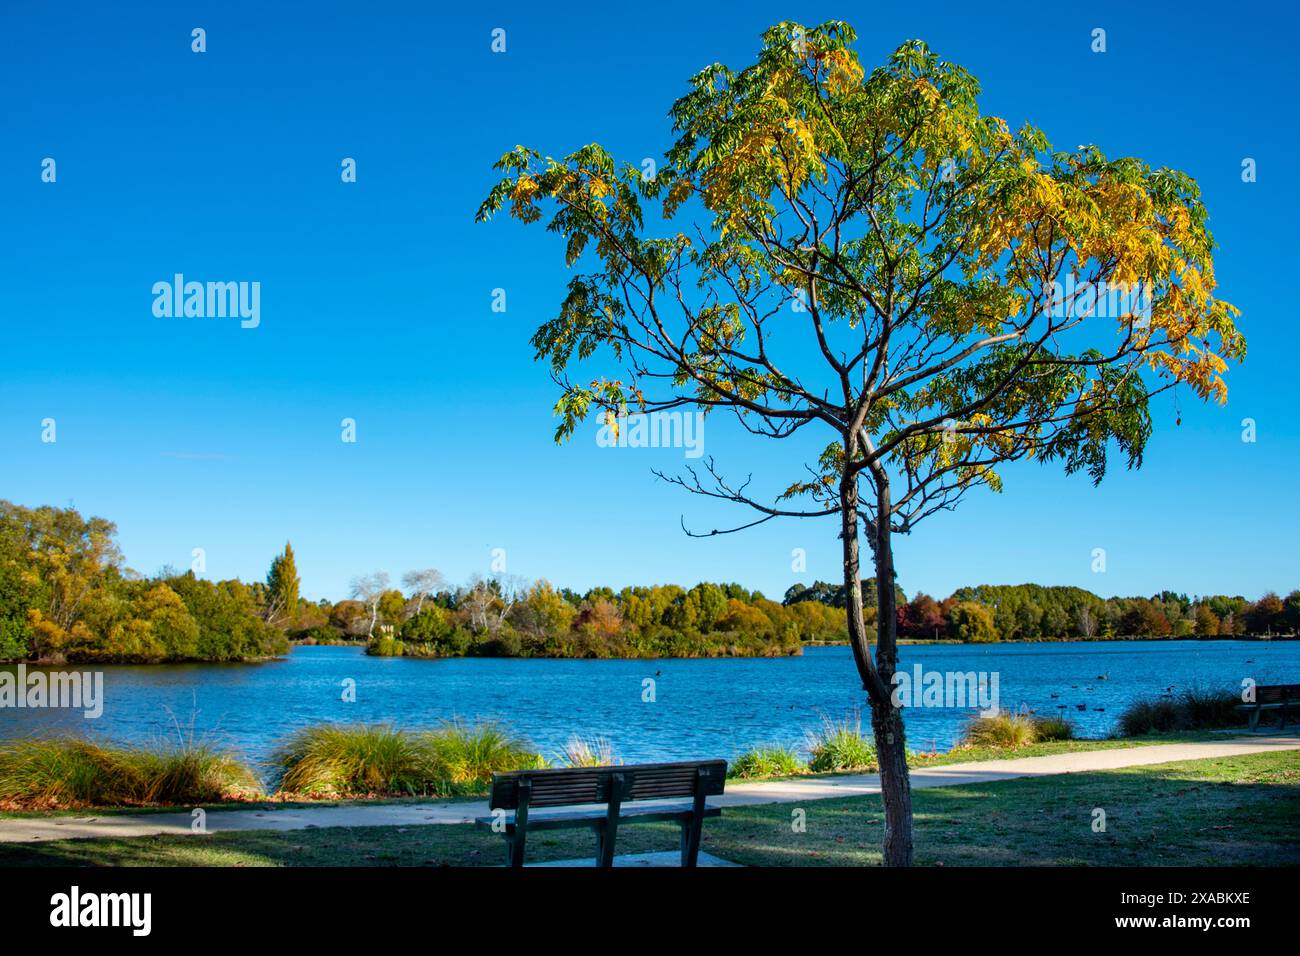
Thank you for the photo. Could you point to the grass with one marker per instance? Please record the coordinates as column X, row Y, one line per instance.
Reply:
column 1053, row 729
column 1014, row 731
column 839, row 745
column 378, row 759
column 1193, row 708
column 336, row 760
column 768, row 761
column 587, row 752
column 1232, row 811
column 466, row 756
column 74, row 772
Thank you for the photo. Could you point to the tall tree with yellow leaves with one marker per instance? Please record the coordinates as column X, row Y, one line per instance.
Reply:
column 871, row 256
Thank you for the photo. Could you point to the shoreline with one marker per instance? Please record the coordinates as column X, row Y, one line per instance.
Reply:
column 910, row 642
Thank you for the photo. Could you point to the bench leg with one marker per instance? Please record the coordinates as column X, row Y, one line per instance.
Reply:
column 607, row 834
column 604, row 847
column 1254, row 719
column 691, row 829
column 691, row 832
column 515, row 849
column 518, row 840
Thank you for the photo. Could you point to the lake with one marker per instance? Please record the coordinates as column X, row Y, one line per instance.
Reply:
column 702, row 708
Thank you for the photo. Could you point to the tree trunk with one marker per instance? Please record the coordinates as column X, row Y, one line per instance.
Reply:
column 877, row 678
column 853, row 581
column 886, row 718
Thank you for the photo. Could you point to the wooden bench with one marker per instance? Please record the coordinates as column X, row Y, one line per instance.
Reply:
column 1272, row 697
column 524, row 791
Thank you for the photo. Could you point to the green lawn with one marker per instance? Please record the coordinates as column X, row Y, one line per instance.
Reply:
column 1231, row 811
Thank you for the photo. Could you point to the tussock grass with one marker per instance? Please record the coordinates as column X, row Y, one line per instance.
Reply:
column 1011, row 731
column 1052, row 728
column 767, row 761
column 465, row 756
column 587, row 752
column 1005, row 729
column 71, row 772
column 378, row 759
column 347, row 760
column 839, row 745
column 1193, row 708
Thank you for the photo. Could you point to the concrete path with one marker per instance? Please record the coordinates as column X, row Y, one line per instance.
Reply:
column 671, row 859
column 30, row 829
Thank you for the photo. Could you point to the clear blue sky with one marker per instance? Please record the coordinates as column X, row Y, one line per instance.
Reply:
column 376, row 295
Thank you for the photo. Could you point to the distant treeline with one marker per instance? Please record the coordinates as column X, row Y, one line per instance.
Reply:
column 500, row 618
column 1033, row 612
column 66, row 596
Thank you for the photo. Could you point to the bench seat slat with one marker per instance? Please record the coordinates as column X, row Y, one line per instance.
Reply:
column 565, row 819
column 1273, row 695
column 565, row 786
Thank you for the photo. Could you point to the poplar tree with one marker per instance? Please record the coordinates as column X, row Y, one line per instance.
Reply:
column 282, row 588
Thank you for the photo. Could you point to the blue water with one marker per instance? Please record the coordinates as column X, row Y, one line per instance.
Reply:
column 702, row 708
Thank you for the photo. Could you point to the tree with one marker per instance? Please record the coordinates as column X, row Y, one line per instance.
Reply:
column 543, row 612
column 423, row 583
column 1207, row 623
column 1291, row 612
column 282, row 588
column 345, row 615
column 489, row 600
column 973, row 623
column 392, row 606
column 1087, row 622
column 1266, row 615
column 369, row 590
column 925, row 250
column 920, row 618
column 66, row 562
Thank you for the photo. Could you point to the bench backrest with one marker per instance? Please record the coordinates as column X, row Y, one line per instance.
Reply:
column 579, row 785
column 1276, row 693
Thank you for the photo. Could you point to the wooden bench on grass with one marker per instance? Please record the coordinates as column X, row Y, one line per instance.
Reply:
column 1272, row 697
column 576, row 788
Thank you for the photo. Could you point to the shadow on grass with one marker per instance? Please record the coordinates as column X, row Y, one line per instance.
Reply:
column 1229, row 811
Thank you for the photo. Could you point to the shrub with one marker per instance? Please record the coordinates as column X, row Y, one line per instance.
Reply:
column 316, row 634
column 587, row 752
column 769, row 761
column 75, row 772
column 385, row 647
column 839, row 745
